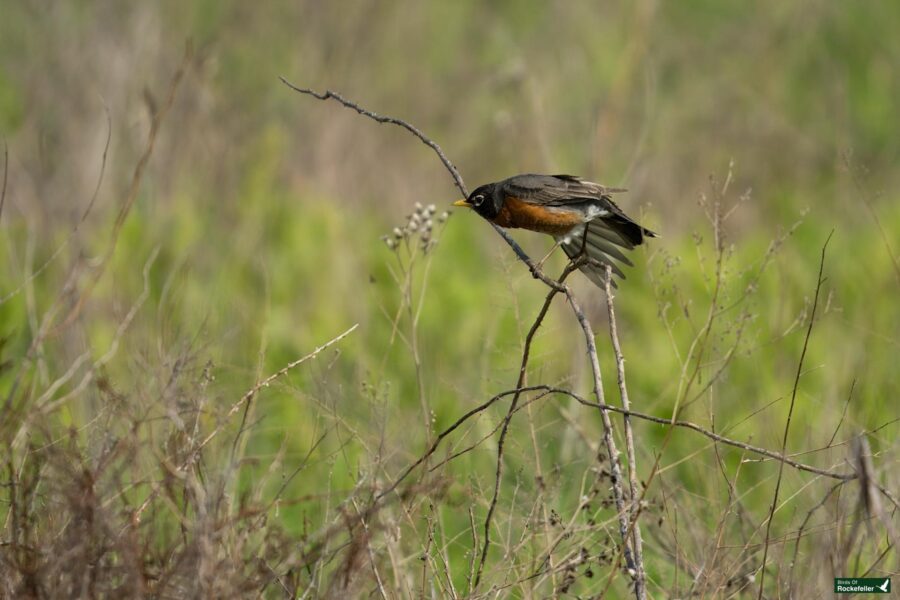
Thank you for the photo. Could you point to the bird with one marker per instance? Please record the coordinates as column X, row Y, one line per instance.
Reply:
column 579, row 214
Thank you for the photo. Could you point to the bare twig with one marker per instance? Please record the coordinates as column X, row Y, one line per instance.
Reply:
column 615, row 466
column 470, row 576
column 787, row 424
column 843, row 414
column 45, row 403
column 885, row 238
column 131, row 195
column 712, row 435
column 489, row 434
column 48, row 318
column 456, row 424
column 5, row 175
column 328, row 94
column 367, row 537
column 90, row 206
column 803, row 525
column 454, row 173
column 870, row 504
column 268, row 381
column 239, row 438
column 696, row 351
column 523, row 369
column 639, row 581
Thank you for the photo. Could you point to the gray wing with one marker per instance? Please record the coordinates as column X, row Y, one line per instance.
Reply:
column 593, row 200
column 555, row 190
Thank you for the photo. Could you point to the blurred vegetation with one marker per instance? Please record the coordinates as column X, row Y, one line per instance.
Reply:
column 263, row 212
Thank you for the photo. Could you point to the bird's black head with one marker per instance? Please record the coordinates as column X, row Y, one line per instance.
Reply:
column 486, row 200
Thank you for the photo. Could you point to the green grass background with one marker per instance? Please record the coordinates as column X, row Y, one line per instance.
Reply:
column 267, row 207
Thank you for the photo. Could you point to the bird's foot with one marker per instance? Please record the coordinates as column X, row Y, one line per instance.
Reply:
column 540, row 264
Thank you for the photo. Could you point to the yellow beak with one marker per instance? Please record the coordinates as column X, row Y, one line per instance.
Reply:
column 462, row 202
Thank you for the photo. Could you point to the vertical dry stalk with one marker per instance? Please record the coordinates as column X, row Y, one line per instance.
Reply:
column 137, row 176
column 411, row 245
column 640, row 576
column 697, row 349
column 615, row 466
column 787, row 424
column 5, row 175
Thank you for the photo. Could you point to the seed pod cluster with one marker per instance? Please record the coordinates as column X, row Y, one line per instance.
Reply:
column 418, row 228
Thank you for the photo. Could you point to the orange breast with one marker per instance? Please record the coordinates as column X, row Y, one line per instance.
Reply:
column 516, row 213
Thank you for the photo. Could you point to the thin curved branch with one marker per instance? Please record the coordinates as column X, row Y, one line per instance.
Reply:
column 5, row 175
column 454, row 173
column 523, row 370
column 771, row 454
column 328, row 94
column 787, row 424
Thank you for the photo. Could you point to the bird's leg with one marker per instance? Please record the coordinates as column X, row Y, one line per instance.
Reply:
column 583, row 252
column 541, row 262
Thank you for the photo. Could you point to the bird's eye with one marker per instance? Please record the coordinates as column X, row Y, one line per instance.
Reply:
column 477, row 200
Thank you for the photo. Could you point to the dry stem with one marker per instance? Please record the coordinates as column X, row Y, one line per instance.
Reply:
column 787, row 424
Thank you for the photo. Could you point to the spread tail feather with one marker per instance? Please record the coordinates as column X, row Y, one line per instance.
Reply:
column 601, row 241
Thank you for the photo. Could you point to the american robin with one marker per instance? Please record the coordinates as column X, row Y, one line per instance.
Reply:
column 579, row 214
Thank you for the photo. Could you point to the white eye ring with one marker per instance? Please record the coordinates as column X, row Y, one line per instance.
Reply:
column 477, row 200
